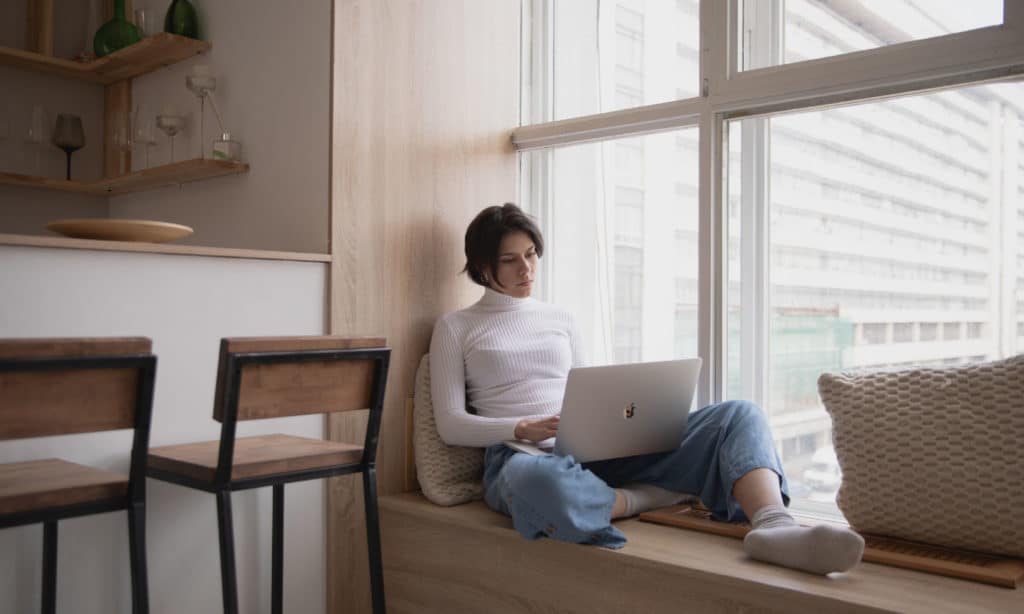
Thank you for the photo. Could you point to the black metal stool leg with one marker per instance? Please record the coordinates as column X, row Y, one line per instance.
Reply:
column 229, row 585
column 50, row 567
column 373, row 539
column 277, row 580
column 137, row 557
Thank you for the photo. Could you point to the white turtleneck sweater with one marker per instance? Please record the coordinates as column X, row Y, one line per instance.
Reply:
column 504, row 359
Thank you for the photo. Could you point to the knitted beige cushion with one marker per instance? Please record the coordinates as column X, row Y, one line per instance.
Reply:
column 933, row 455
column 448, row 475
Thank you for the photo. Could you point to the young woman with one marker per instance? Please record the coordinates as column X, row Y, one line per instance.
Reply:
column 498, row 372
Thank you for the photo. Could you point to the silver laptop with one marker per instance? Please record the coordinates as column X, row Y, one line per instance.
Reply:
column 622, row 410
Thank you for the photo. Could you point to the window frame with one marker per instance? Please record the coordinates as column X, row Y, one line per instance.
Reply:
column 727, row 93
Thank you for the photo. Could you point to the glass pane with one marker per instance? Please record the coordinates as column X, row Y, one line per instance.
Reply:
column 619, row 54
column 812, row 29
column 621, row 253
column 895, row 238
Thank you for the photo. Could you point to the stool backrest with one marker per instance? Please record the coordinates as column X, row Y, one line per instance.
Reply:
column 272, row 377
column 74, row 385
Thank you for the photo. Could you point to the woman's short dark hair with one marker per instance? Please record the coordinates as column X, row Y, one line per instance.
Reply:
column 484, row 235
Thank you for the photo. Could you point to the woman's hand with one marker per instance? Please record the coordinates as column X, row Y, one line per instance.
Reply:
column 537, row 430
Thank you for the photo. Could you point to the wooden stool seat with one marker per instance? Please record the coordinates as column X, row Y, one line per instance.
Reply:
column 41, row 484
column 254, row 457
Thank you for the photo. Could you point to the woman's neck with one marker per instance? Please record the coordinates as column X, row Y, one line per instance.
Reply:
column 497, row 300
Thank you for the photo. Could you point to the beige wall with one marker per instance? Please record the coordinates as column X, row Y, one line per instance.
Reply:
column 24, row 211
column 272, row 60
column 273, row 63
column 425, row 98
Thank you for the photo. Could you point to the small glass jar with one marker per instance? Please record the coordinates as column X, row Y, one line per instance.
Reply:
column 227, row 150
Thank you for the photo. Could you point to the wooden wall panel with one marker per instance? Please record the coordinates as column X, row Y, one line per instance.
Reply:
column 425, row 95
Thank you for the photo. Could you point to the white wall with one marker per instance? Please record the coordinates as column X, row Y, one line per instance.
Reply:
column 185, row 304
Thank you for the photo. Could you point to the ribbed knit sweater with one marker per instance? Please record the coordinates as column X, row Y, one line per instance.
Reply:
column 503, row 359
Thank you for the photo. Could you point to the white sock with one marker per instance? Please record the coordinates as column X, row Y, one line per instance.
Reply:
column 777, row 538
column 645, row 497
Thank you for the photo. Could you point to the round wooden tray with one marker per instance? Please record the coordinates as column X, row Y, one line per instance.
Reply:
column 120, row 230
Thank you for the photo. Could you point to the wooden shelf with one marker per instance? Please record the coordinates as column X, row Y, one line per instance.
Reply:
column 147, row 55
column 147, row 179
column 158, row 248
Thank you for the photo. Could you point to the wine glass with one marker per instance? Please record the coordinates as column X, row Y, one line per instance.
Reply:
column 92, row 22
column 69, row 136
column 145, row 21
column 171, row 123
column 202, row 83
column 35, row 134
column 5, row 129
column 123, row 140
column 5, row 125
column 144, row 135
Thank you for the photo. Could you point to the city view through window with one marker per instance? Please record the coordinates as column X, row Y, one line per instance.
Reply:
column 893, row 230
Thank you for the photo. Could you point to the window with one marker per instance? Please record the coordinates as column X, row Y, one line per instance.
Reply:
column 620, row 54
column 853, row 286
column 623, row 246
column 870, row 215
column 815, row 29
column 902, row 332
column 929, row 331
column 873, row 333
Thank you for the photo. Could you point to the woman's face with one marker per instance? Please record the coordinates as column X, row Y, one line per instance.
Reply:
column 517, row 265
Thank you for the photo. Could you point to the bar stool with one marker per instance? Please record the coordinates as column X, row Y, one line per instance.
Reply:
column 64, row 386
column 271, row 377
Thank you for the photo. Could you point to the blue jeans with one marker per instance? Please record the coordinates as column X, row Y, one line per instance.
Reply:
column 557, row 497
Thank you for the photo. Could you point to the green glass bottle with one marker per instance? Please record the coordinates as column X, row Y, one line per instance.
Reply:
column 181, row 19
column 116, row 34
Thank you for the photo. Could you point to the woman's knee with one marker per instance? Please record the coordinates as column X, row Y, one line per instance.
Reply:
column 740, row 414
column 568, row 499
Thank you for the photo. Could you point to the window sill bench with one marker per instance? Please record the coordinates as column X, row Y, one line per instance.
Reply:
column 469, row 559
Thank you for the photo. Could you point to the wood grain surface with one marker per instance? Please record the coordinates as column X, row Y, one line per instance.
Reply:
column 158, row 248
column 425, row 96
column 39, row 30
column 55, row 402
column 52, row 482
column 468, row 558
column 69, row 347
column 149, row 231
column 270, row 391
column 979, row 567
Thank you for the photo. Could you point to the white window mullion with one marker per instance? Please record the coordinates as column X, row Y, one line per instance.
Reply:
column 755, row 309
column 610, row 125
column 711, row 292
column 536, row 60
column 1007, row 128
column 714, row 62
column 537, row 81
column 762, row 26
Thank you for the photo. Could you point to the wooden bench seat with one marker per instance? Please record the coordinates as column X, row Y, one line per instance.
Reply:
column 469, row 559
